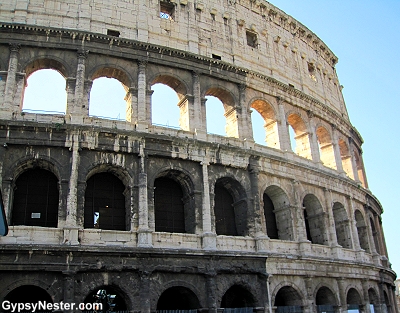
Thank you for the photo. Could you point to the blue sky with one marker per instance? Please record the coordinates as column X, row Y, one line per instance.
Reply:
column 365, row 36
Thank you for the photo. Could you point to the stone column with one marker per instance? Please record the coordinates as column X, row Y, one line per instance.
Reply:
column 142, row 122
column 331, row 220
column 79, row 109
column 245, row 128
column 144, row 291
column 12, row 79
column 353, row 161
column 132, row 105
column 309, row 307
column 69, row 284
column 353, row 226
column 365, row 299
column 199, row 125
column 283, row 129
column 209, row 237
column 336, row 151
column 71, row 224
column 313, row 139
column 379, row 229
column 144, row 233
column 211, row 289
column 7, row 186
column 342, row 295
column 298, row 216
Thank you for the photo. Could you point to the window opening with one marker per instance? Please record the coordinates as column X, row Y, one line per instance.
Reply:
column 251, row 39
column 216, row 120
column 114, row 33
column 45, row 93
column 312, row 71
column 168, row 206
column 225, row 222
column 167, row 10
column 164, row 109
column 36, row 199
column 270, row 218
column 107, row 99
column 216, row 56
column 105, row 202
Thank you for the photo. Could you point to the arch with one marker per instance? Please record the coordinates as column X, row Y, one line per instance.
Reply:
column 31, row 294
column 36, row 199
column 342, row 225
column 387, row 302
column 230, row 207
column 375, row 235
column 100, row 167
column 109, row 296
column 53, row 63
column 326, row 151
column 173, row 82
column 268, row 114
column 325, row 300
column 373, row 300
column 109, row 93
column 361, row 230
column 314, row 218
column 345, row 156
column 105, row 202
column 301, row 138
column 353, row 300
column 237, row 296
column 178, row 298
column 231, row 114
column 288, row 299
column 277, row 213
column 45, row 92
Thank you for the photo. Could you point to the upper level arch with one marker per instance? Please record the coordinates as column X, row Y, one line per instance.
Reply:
column 115, row 72
column 342, row 225
column 48, row 62
column 268, row 114
column 346, row 158
column 325, row 144
column 302, row 141
column 171, row 80
column 362, row 230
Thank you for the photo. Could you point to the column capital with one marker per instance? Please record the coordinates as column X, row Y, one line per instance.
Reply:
column 142, row 63
column 82, row 53
column 15, row 47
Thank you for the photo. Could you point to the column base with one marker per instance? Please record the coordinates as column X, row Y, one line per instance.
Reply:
column 71, row 236
column 262, row 243
column 209, row 241
column 145, row 238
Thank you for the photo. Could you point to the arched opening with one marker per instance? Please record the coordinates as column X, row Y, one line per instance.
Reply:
column 36, row 199
column 373, row 300
column 165, row 109
column 314, row 217
column 213, row 113
column 168, row 206
column 345, row 156
column 326, row 151
column 353, row 301
column 177, row 298
column 361, row 230
column 105, row 202
column 230, row 208
column 387, row 303
column 264, row 117
column 301, row 136
column 108, row 99
column 288, row 300
column 45, row 92
column 216, row 121
column 29, row 294
column 109, row 297
column 375, row 235
column 238, row 297
column 278, row 217
column 342, row 226
column 325, row 300
column 270, row 218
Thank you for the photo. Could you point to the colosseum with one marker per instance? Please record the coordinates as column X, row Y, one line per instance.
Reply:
column 149, row 218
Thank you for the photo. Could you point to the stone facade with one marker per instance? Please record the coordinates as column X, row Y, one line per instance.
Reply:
column 260, row 226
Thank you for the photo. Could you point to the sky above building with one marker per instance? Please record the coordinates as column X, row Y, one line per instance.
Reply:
column 365, row 36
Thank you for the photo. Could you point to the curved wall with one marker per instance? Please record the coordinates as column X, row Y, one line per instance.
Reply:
column 303, row 231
